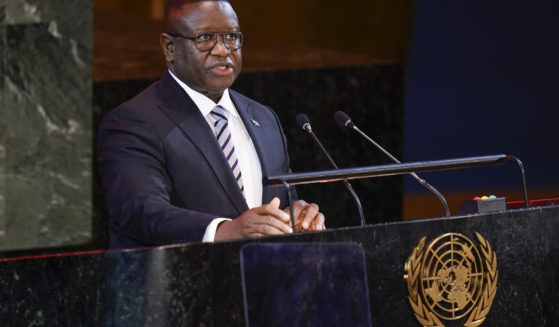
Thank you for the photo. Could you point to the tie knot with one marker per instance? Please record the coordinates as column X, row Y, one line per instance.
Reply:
column 218, row 112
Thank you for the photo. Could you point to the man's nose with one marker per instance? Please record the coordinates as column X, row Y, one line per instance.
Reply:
column 220, row 49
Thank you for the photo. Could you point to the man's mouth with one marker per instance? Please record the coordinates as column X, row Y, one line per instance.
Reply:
column 222, row 69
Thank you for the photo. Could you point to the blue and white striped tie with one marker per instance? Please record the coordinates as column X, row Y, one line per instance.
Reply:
column 223, row 135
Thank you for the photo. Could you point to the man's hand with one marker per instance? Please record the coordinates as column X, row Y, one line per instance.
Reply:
column 307, row 216
column 267, row 219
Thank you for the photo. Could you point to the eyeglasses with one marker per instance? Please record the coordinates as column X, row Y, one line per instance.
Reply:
column 207, row 41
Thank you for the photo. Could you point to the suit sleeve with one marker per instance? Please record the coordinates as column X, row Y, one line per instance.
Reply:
column 131, row 160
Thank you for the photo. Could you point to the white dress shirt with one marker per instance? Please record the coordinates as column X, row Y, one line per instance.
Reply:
column 249, row 163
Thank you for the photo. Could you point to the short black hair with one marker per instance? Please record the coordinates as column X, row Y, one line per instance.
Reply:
column 173, row 5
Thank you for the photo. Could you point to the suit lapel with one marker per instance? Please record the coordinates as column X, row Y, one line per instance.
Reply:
column 263, row 136
column 183, row 112
column 251, row 118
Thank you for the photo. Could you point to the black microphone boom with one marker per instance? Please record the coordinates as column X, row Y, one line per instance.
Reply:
column 305, row 124
column 343, row 120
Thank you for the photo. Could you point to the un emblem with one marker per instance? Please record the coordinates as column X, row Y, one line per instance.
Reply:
column 450, row 279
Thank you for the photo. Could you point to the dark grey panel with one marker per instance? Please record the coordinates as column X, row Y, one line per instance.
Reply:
column 45, row 162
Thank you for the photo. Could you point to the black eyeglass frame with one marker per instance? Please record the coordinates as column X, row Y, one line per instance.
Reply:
column 241, row 38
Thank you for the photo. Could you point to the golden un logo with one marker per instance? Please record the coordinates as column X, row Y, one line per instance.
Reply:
column 450, row 279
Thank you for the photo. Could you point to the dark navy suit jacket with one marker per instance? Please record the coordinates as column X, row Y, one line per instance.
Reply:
column 164, row 175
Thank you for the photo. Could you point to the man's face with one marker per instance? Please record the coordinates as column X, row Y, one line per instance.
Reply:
column 209, row 72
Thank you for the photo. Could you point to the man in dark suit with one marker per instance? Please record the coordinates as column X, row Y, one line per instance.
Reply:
column 183, row 161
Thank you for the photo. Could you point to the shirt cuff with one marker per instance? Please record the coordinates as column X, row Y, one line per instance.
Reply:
column 209, row 235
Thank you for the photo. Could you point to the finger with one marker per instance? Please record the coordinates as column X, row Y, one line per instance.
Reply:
column 310, row 214
column 298, row 206
column 270, row 225
column 275, row 203
column 319, row 223
column 283, row 226
column 272, row 209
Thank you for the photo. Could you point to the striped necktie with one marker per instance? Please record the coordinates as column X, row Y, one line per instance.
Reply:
column 223, row 135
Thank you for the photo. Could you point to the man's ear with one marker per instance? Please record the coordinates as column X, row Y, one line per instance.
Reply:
column 168, row 46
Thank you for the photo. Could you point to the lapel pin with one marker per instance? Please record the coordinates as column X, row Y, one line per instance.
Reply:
column 254, row 122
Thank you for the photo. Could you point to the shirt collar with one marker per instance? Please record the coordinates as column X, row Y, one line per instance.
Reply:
column 205, row 104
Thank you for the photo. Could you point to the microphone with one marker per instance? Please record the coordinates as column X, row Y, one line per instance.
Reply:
column 305, row 124
column 343, row 120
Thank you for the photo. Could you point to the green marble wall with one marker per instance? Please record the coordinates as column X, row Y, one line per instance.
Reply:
column 45, row 123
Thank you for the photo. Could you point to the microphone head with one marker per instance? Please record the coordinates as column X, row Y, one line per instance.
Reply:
column 343, row 120
column 304, row 122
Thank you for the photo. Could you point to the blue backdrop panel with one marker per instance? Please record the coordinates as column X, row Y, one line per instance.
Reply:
column 483, row 79
column 305, row 284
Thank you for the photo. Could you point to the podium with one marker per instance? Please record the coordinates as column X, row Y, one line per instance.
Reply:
column 201, row 284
